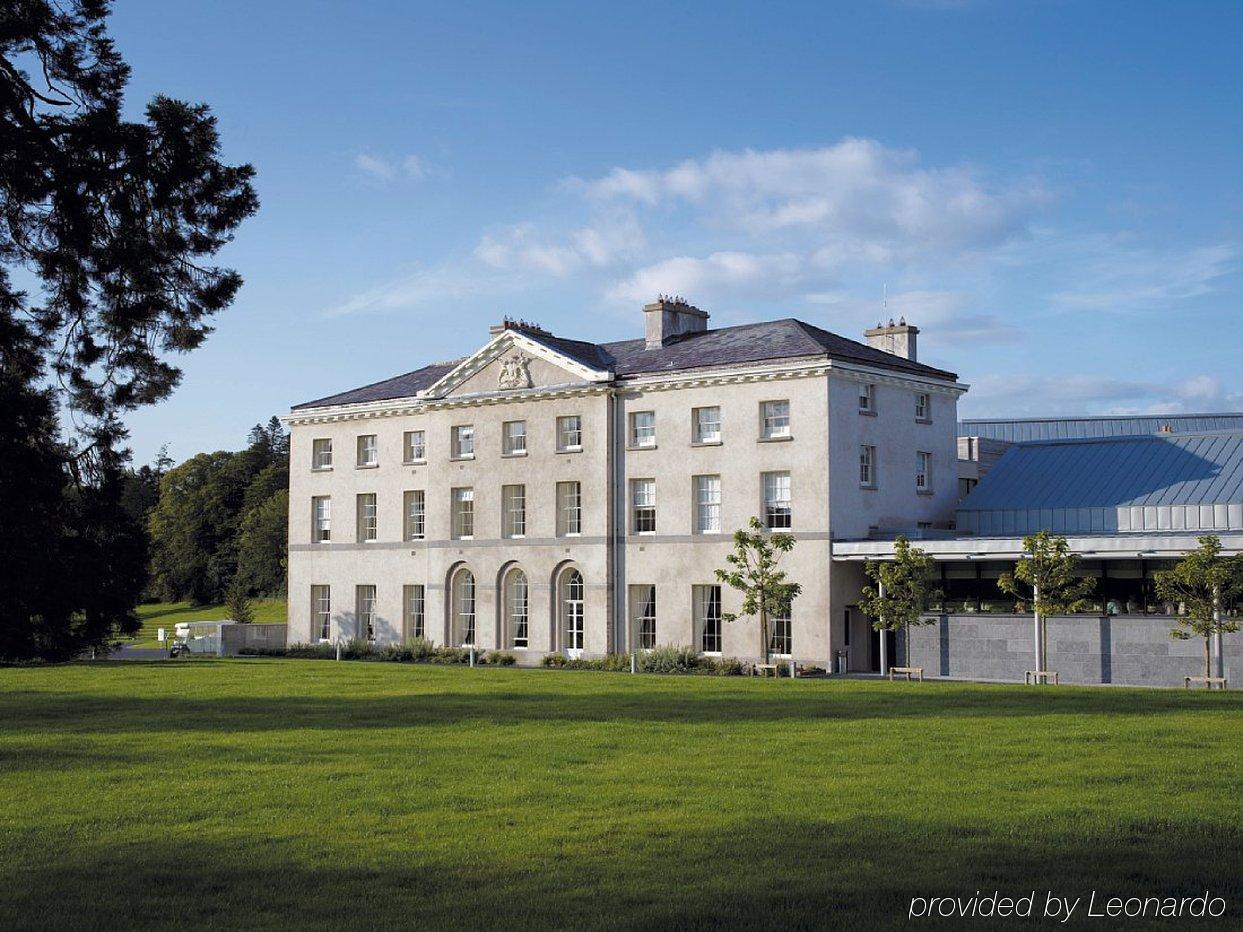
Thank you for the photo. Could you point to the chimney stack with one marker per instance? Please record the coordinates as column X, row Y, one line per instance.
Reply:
column 668, row 317
column 898, row 339
column 510, row 323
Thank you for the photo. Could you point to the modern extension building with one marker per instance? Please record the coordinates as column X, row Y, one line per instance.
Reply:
column 1130, row 494
column 551, row 494
column 554, row 495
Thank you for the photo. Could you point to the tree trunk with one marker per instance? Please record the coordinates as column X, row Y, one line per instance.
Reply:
column 1044, row 642
column 1036, row 627
column 884, row 641
column 1208, row 662
column 1220, row 670
column 906, row 634
column 763, row 630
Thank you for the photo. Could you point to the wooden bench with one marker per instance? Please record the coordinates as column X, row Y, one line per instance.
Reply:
column 1208, row 681
column 764, row 669
column 1040, row 676
column 908, row 672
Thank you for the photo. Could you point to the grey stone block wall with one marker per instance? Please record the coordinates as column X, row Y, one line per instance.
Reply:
column 1134, row 650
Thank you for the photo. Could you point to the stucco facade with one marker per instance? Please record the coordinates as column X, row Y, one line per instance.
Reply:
column 591, row 567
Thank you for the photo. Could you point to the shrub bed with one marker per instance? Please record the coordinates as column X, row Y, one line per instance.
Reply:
column 664, row 659
column 415, row 650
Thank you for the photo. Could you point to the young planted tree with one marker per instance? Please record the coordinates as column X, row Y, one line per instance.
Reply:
column 1046, row 579
column 238, row 604
column 1201, row 582
column 902, row 592
column 753, row 572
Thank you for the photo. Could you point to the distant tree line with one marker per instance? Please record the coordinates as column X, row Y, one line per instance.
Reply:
column 219, row 521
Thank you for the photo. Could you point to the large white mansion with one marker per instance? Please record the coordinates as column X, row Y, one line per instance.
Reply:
column 548, row 494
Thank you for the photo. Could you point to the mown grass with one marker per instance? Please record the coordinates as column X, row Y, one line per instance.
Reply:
column 156, row 615
column 307, row 794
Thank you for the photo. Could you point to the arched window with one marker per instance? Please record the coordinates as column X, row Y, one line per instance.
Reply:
column 572, row 613
column 515, row 602
column 463, row 607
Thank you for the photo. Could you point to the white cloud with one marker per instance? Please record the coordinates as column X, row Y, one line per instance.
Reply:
column 1017, row 395
column 1066, row 393
column 944, row 317
column 383, row 169
column 518, row 247
column 773, row 224
column 436, row 286
column 714, row 276
column 856, row 200
column 1115, row 275
column 376, row 167
column 753, row 230
column 414, row 167
column 1200, row 387
column 606, row 241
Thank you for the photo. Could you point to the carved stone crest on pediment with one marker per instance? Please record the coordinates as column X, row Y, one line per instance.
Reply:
column 515, row 371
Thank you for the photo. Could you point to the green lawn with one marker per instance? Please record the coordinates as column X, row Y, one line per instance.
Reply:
column 303, row 794
column 156, row 615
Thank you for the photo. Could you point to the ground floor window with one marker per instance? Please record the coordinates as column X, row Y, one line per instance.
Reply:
column 517, row 621
column 364, row 598
column 572, row 598
column 412, row 612
column 643, row 607
column 707, row 601
column 463, row 607
column 321, row 612
column 779, row 635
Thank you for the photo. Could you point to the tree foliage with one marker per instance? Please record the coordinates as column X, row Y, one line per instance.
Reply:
column 902, row 592
column 115, row 221
column 118, row 219
column 753, row 572
column 221, row 519
column 263, row 545
column 1047, row 577
column 72, row 561
column 1201, row 583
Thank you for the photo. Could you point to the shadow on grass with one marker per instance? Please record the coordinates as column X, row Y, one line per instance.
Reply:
column 764, row 873
column 440, row 697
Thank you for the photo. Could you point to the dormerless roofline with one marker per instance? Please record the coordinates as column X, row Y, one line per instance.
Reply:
column 794, row 368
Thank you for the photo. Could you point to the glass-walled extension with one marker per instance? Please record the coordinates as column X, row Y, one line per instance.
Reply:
column 1123, row 587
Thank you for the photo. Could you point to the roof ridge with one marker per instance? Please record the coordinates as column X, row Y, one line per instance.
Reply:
column 1119, row 438
column 1093, row 417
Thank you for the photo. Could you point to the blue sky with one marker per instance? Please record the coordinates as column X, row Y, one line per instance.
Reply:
column 1050, row 190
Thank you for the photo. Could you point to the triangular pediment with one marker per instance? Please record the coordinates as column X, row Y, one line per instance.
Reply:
column 513, row 362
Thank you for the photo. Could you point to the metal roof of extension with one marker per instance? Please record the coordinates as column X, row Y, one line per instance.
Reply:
column 1163, row 482
column 1023, row 430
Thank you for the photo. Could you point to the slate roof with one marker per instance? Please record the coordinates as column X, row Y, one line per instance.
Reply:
column 1023, row 430
column 760, row 342
column 1152, row 483
column 768, row 340
column 400, row 386
column 589, row 354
